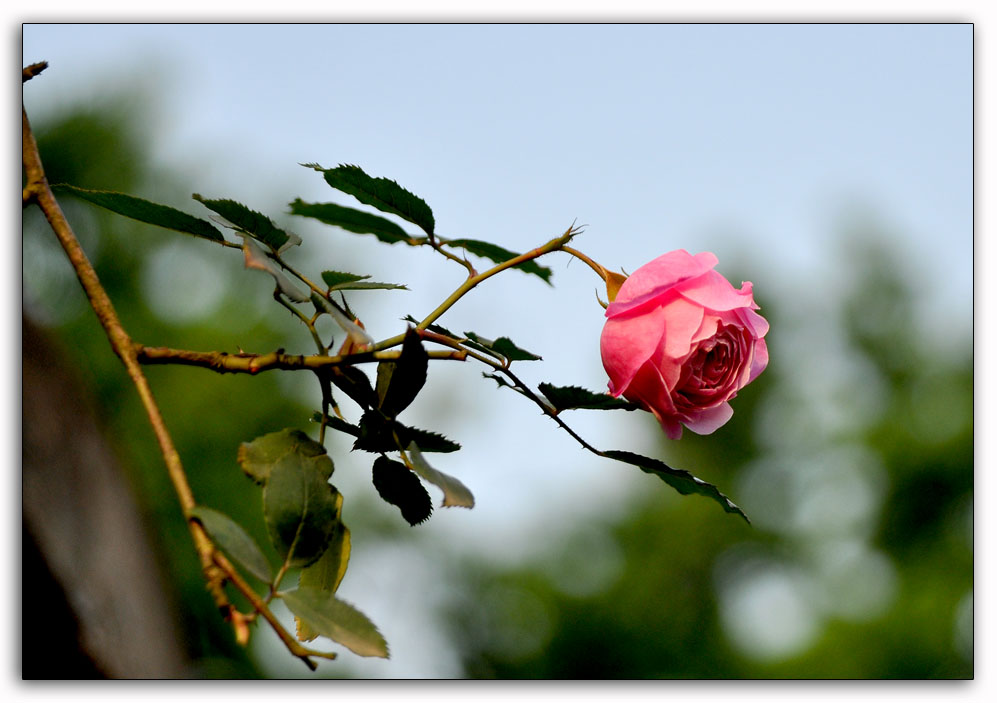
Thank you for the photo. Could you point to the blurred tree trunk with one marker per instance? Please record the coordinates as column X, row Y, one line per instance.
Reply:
column 93, row 597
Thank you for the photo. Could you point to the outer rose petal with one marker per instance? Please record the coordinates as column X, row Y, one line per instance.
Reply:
column 760, row 360
column 650, row 391
column 627, row 344
column 658, row 276
column 714, row 292
column 710, row 420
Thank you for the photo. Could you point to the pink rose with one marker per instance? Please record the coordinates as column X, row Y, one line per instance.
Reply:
column 681, row 341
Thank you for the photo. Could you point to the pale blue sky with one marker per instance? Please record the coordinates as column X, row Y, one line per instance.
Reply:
column 747, row 140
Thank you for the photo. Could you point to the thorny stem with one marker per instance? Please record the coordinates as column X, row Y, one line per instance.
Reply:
column 555, row 244
column 322, row 349
column 582, row 257
column 214, row 565
column 223, row 362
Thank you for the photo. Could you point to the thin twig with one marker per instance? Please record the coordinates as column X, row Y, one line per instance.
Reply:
column 223, row 362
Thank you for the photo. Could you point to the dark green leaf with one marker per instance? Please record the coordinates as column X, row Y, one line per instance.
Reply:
column 354, row 383
column 399, row 382
column 356, row 221
column 397, row 485
column 377, row 434
column 234, row 540
column 502, row 347
column 145, row 211
column 499, row 255
column 300, row 508
column 337, row 423
column 427, row 441
column 679, row 479
column 382, row 193
column 327, row 573
column 253, row 223
column 337, row 280
column 258, row 457
column 455, row 493
column 433, row 328
column 573, row 397
column 337, row 620
column 502, row 383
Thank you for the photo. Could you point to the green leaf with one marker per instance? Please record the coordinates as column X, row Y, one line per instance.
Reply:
column 377, row 434
column 337, row 280
column 234, row 540
column 255, row 224
column 427, row 441
column 337, row 423
column 455, row 493
column 327, row 573
column 396, row 484
column 502, row 383
column 356, row 221
column 679, row 479
column 503, row 347
column 438, row 329
column 500, row 255
column 399, row 382
column 337, row 620
column 354, row 383
column 300, row 508
column 258, row 457
column 145, row 211
column 382, row 193
column 573, row 397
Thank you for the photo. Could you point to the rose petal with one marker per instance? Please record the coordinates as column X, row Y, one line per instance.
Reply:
column 658, row 276
column 713, row 291
column 626, row 344
column 709, row 420
column 760, row 359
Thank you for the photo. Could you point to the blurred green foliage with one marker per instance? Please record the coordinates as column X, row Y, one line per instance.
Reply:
column 208, row 414
column 852, row 454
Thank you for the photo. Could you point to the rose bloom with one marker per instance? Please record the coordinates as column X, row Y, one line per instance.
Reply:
column 681, row 341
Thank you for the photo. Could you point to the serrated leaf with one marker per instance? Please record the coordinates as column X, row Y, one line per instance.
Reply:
column 354, row 383
column 679, row 479
column 438, row 329
column 500, row 255
column 337, row 620
column 145, row 211
column 258, row 457
column 382, row 193
column 337, row 280
column 396, row 484
column 399, row 382
column 255, row 224
column 377, row 434
column 573, row 397
column 234, row 541
column 299, row 506
column 352, row 220
column 337, row 423
column 327, row 573
column 455, row 493
column 503, row 347
column 502, row 383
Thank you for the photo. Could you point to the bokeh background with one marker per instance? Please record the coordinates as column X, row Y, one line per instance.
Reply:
column 829, row 164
